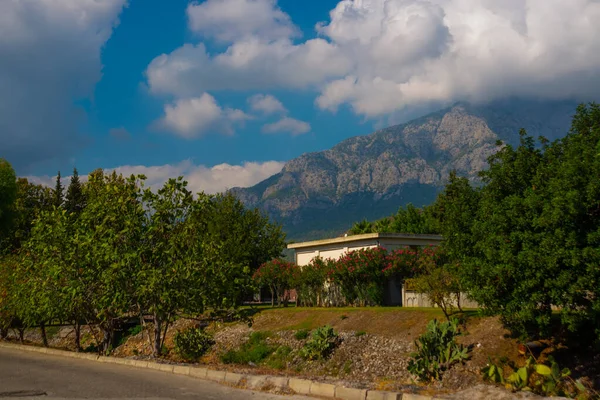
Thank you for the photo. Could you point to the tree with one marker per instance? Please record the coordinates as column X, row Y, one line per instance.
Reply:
column 537, row 232
column 8, row 196
column 361, row 227
column 31, row 200
column 278, row 276
column 167, row 277
column 58, row 192
column 109, row 244
column 75, row 198
column 244, row 238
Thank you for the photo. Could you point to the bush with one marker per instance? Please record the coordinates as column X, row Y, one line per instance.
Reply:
column 320, row 345
column 301, row 334
column 255, row 350
column 192, row 343
column 280, row 358
column 437, row 350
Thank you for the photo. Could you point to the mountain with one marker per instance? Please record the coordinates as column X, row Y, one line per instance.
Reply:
column 321, row 194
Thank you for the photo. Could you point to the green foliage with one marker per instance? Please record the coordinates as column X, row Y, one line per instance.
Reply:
column 279, row 276
column 437, row 350
column 255, row 350
column 301, row 334
column 75, row 199
column 114, row 250
column 192, row 343
column 536, row 377
column 360, row 333
column 280, row 358
column 536, row 232
column 359, row 275
column 8, row 196
column 321, row 344
column 310, row 282
column 58, row 192
column 409, row 219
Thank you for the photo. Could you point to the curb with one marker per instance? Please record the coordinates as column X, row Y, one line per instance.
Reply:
column 246, row 381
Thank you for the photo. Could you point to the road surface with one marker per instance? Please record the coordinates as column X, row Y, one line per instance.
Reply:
column 37, row 376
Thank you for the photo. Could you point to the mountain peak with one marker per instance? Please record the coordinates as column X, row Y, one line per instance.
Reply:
column 323, row 193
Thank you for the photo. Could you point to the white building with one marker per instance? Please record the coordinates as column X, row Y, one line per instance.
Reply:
column 335, row 248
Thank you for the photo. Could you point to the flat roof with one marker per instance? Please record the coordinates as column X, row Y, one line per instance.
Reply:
column 366, row 236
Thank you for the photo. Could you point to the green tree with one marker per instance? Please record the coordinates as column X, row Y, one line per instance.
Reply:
column 361, row 227
column 58, row 192
column 244, row 238
column 109, row 244
column 75, row 199
column 537, row 231
column 167, row 278
column 8, row 196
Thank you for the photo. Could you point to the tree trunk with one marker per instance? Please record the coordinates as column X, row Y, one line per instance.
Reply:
column 3, row 333
column 458, row 302
column 107, row 340
column 272, row 298
column 21, row 335
column 77, row 336
column 44, row 336
column 157, row 336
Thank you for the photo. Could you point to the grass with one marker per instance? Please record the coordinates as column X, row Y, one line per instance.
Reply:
column 385, row 321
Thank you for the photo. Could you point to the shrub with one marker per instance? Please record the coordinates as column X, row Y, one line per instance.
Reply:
column 320, row 345
column 278, row 275
column 192, row 343
column 301, row 334
column 255, row 350
column 280, row 358
column 437, row 350
column 536, row 377
column 359, row 275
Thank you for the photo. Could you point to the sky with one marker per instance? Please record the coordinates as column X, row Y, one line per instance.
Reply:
column 225, row 92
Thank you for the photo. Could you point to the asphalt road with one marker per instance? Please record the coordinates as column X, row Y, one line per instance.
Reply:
column 42, row 377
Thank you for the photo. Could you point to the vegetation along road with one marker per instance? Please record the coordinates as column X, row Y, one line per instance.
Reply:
column 45, row 376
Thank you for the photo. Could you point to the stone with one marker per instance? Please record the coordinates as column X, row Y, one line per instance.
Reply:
column 300, row 386
column 213, row 375
column 322, row 389
column 381, row 395
column 345, row 393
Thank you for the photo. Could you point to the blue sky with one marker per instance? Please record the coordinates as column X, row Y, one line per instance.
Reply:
column 226, row 91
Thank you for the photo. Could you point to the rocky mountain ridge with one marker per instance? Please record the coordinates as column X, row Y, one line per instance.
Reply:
column 323, row 193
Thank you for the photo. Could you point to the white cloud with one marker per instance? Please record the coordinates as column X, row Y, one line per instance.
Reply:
column 246, row 65
column 287, row 125
column 233, row 19
column 49, row 56
column 266, row 104
column 381, row 56
column 218, row 178
column 190, row 118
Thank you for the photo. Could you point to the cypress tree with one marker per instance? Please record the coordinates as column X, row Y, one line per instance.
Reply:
column 58, row 192
column 75, row 200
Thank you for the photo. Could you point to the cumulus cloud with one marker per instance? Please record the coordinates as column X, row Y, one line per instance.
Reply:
column 233, row 19
column 287, row 125
column 190, row 118
column 266, row 104
column 49, row 56
column 216, row 179
column 248, row 64
column 381, row 56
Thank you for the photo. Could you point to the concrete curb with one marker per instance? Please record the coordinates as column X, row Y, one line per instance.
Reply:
column 248, row 381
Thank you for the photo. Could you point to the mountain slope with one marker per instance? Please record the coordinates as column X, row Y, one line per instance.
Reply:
column 322, row 194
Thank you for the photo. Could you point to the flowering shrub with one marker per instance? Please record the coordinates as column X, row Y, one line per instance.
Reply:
column 359, row 274
column 278, row 275
column 310, row 281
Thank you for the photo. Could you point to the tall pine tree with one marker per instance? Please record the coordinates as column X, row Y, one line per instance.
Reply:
column 58, row 192
column 75, row 199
